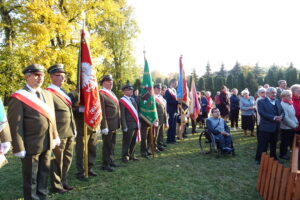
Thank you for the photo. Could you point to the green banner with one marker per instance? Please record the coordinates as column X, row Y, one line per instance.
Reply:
column 147, row 101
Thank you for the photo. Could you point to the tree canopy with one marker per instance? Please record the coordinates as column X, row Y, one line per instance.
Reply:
column 48, row 32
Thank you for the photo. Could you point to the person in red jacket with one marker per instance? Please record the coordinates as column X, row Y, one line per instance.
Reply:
column 296, row 103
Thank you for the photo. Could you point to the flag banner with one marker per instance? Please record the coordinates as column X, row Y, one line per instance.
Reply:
column 147, row 101
column 89, row 93
column 182, row 90
column 194, row 105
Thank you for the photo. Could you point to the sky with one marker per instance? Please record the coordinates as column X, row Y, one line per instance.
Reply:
column 217, row 31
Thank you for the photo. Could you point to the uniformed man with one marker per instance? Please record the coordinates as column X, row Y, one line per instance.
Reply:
column 66, row 128
column 171, row 98
column 33, row 129
column 78, row 112
column 110, row 122
column 130, row 124
column 5, row 138
column 162, row 117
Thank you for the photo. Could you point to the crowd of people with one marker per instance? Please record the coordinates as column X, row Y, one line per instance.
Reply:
column 44, row 121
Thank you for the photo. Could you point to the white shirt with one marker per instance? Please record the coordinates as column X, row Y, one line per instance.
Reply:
column 33, row 91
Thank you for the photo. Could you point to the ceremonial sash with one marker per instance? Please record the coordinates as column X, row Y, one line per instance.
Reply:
column 172, row 94
column 160, row 101
column 110, row 95
column 61, row 94
column 35, row 103
column 134, row 114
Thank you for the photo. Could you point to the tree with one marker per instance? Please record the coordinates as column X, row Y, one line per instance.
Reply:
column 222, row 71
column 258, row 71
column 230, row 82
column 201, row 84
column 251, row 83
column 208, row 70
column 236, row 70
column 241, row 82
column 219, row 82
column 48, row 32
column 272, row 76
column 166, row 82
column 291, row 75
column 158, row 80
column 209, row 85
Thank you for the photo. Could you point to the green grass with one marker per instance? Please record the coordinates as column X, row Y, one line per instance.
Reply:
column 181, row 172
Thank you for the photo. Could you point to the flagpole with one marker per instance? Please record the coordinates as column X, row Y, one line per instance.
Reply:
column 85, row 139
column 152, row 141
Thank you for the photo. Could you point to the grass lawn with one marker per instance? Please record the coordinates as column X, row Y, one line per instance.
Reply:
column 181, row 172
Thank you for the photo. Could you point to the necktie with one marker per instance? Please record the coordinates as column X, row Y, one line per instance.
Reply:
column 38, row 94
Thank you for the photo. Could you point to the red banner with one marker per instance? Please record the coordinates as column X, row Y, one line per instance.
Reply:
column 89, row 95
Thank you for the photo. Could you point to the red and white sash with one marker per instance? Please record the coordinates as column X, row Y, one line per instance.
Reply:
column 127, row 103
column 172, row 93
column 58, row 92
column 159, row 99
column 110, row 95
column 35, row 103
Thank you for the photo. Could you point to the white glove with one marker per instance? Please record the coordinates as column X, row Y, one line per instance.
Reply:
column 21, row 154
column 56, row 142
column 125, row 129
column 4, row 147
column 81, row 109
column 75, row 133
column 104, row 131
column 155, row 123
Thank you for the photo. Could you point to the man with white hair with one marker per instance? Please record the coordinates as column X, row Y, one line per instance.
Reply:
column 281, row 86
column 271, row 114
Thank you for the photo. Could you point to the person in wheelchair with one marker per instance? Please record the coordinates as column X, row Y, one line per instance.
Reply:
column 221, row 132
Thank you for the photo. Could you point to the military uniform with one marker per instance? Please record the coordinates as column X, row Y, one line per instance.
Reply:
column 66, row 128
column 162, row 117
column 110, row 121
column 130, row 128
column 33, row 134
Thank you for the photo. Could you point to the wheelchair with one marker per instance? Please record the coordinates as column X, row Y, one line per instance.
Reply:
column 209, row 144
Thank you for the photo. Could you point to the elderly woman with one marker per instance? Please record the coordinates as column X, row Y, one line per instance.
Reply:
column 247, row 110
column 209, row 101
column 234, row 109
column 296, row 103
column 288, row 124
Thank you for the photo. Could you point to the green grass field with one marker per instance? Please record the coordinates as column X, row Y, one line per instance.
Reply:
column 181, row 172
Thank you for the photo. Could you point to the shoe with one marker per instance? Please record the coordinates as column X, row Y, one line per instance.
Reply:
column 107, row 168
column 156, row 150
column 68, row 187
column 161, row 148
column 257, row 162
column 125, row 160
column 145, row 155
column 149, row 153
column 59, row 191
column 81, row 177
column 92, row 173
column 134, row 158
column 233, row 129
column 113, row 164
column 285, row 157
column 164, row 145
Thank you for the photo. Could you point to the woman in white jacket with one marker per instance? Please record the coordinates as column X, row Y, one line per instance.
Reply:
column 288, row 124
